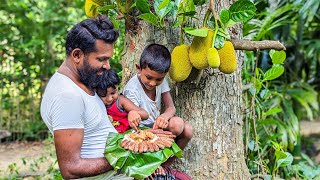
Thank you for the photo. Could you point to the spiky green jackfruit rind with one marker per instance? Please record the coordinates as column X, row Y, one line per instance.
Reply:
column 199, row 50
column 228, row 61
column 213, row 57
column 180, row 67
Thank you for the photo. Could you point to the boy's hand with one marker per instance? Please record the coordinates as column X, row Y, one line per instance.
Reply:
column 134, row 119
column 160, row 123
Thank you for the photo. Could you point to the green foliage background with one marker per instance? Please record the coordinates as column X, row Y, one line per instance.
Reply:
column 31, row 49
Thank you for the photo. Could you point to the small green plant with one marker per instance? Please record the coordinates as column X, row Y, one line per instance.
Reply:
column 14, row 171
column 272, row 134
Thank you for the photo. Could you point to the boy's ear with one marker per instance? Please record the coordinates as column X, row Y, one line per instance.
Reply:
column 138, row 68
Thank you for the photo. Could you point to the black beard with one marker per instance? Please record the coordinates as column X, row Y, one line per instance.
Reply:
column 89, row 76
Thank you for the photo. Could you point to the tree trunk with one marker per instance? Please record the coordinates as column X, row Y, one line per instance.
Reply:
column 213, row 107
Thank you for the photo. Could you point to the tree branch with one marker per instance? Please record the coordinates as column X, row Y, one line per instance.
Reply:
column 256, row 45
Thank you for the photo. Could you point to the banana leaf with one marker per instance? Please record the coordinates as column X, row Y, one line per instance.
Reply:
column 137, row 165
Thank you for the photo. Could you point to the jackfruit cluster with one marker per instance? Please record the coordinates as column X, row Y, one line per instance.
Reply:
column 199, row 50
column 201, row 55
column 228, row 61
column 180, row 67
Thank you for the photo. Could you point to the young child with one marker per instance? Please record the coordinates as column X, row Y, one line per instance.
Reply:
column 123, row 112
column 148, row 89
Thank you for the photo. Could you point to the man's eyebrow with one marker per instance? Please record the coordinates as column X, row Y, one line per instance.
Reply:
column 103, row 57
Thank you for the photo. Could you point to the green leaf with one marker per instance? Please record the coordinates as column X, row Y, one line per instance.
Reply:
column 269, row 122
column 257, row 84
column 196, row 32
column 186, row 7
column 225, row 16
column 105, row 8
column 231, row 23
column 242, row 11
column 224, row 33
column 199, row 2
column 143, row 6
column 265, row 93
column 177, row 24
column 277, row 57
column 273, row 111
column 292, row 138
column 276, row 71
column 162, row 5
column 280, row 154
column 219, row 42
column 114, row 22
column 161, row 12
column 150, row 18
column 283, row 162
column 252, row 145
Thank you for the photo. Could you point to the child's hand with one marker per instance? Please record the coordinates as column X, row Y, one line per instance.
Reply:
column 160, row 123
column 134, row 119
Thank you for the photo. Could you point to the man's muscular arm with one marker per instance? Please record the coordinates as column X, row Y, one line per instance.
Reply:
column 68, row 145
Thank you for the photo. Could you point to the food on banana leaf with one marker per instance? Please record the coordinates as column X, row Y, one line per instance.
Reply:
column 148, row 140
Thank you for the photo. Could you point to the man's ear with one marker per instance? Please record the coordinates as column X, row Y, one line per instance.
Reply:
column 138, row 68
column 77, row 55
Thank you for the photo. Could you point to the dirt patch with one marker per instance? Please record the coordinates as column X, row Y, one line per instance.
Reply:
column 308, row 128
column 26, row 158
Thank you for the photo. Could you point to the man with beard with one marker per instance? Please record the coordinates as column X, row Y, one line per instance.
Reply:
column 71, row 109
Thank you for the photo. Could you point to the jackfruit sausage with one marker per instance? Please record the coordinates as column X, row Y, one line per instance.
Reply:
column 165, row 142
column 145, row 146
column 150, row 146
column 131, row 146
column 124, row 142
column 141, row 146
column 136, row 148
column 159, row 143
column 167, row 135
column 156, row 147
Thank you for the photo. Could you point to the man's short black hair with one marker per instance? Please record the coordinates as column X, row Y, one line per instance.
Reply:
column 110, row 79
column 84, row 34
column 156, row 57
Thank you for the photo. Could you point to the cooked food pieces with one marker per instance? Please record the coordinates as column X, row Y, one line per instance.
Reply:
column 149, row 140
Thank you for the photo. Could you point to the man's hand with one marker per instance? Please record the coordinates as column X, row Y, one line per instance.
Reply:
column 161, row 123
column 134, row 119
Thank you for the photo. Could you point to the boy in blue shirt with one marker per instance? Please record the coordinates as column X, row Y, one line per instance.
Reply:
column 149, row 89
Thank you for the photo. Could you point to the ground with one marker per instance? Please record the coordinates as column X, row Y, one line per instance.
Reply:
column 31, row 158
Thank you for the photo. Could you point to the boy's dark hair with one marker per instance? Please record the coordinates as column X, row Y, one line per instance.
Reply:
column 156, row 57
column 110, row 79
column 84, row 34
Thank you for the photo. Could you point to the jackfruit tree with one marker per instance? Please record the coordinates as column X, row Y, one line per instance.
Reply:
column 208, row 99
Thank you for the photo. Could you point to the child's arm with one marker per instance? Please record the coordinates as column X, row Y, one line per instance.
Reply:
column 163, row 120
column 135, row 113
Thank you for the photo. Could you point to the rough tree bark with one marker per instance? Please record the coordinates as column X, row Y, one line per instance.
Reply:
column 213, row 107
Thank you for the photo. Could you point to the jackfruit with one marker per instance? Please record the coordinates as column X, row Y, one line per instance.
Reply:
column 91, row 7
column 228, row 61
column 180, row 67
column 213, row 57
column 199, row 50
